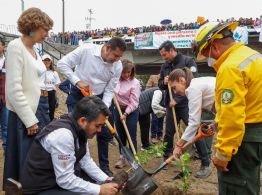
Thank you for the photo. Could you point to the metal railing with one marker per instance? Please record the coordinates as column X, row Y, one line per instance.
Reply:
column 6, row 36
column 10, row 29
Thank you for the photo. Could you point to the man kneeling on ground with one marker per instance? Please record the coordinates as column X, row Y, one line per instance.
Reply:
column 59, row 161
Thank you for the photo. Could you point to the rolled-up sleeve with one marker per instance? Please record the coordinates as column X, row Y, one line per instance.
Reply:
column 109, row 89
column 68, row 62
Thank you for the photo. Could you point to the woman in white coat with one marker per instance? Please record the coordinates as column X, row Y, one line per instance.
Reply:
column 28, row 104
column 200, row 93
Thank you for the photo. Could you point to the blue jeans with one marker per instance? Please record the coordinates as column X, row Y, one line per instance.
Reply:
column 103, row 137
column 42, row 113
column 131, row 123
column 70, row 107
column 156, row 126
column 4, row 120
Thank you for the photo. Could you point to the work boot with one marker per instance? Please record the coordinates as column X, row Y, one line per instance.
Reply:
column 121, row 163
column 204, row 172
column 112, row 142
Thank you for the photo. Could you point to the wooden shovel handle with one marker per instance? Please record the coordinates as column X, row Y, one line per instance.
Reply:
column 174, row 112
column 125, row 126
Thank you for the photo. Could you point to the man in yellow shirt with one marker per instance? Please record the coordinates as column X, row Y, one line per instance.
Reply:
column 238, row 98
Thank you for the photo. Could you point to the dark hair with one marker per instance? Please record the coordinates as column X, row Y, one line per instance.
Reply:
column 117, row 42
column 177, row 73
column 90, row 107
column 128, row 64
column 2, row 41
column 51, row 67
column 167, row 45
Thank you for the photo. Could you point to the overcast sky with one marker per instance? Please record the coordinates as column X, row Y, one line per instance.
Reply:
column 132, row 13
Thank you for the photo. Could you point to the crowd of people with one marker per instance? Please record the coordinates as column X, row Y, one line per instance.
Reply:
column 72, row 38
column 52, row 156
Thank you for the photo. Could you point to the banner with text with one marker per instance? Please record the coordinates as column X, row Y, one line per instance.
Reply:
column 144, row 41
column 180, row 39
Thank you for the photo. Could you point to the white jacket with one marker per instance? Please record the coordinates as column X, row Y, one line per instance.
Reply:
column 158, row 110
column 22, row 82
column 200, row 96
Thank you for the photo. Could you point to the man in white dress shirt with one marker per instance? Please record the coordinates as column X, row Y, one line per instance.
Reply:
column 59, row 161
column 98, row 68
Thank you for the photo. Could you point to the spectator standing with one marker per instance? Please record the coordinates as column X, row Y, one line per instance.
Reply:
column 26, row 102
column 156, row 122
column 52, row 81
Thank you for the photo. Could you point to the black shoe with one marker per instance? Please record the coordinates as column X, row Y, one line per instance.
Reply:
column 143, row 148
column 112, row 142
column 108, row 172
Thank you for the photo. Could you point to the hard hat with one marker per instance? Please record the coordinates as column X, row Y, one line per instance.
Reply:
column 209, row 32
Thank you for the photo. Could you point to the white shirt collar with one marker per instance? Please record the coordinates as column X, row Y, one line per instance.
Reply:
column 98, row 51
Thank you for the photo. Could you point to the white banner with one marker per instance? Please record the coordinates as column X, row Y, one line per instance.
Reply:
column 241, row 34
column 180, row 38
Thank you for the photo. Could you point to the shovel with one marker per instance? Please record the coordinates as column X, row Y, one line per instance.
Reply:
column 139, row 181
column 174, row 112
column 126, row 152
column 125, row 127
column 203, row 132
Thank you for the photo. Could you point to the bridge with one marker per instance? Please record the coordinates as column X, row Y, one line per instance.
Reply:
column 148, row 61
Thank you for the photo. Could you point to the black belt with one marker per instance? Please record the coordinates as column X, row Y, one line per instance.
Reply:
column 253, row 125
column 253, row 132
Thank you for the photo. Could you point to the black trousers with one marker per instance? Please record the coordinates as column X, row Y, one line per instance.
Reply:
column 144, row 122
column 181, row 113
column 52, row 102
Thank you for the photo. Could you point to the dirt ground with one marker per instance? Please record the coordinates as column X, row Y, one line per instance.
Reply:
column 164, row 179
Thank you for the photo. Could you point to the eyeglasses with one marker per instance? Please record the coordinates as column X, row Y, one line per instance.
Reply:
column 47, row 60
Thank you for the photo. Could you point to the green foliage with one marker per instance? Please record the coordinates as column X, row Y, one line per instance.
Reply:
column 154, row 151
column 183, row 164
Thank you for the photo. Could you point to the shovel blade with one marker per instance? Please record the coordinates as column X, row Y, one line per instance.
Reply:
column 139, row 183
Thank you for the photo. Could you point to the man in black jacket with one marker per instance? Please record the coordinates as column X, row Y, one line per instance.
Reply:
column 173, row 60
